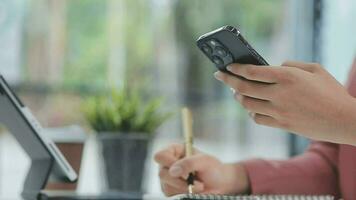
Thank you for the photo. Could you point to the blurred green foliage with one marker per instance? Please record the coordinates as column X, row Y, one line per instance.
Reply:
column 150, row 34
column 88, row 39
column 124, row 112
column 86, row 58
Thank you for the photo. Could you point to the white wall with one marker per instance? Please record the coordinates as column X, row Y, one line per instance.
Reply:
column 10, row 38
column 339, row 37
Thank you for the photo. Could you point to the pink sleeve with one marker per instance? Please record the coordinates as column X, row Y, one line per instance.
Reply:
column 314, row 172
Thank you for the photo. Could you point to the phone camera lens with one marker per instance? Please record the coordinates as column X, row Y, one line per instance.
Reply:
column 213, row 42
column 217, row 60
column 207, row 49
column 221, row 51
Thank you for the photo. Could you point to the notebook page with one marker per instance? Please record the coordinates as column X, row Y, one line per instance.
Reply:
column 250, row 197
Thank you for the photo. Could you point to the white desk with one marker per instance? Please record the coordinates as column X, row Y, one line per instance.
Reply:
column 14, row 163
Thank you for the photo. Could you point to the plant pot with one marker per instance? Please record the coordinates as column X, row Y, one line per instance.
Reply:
column 73, row 153
column 124, row 157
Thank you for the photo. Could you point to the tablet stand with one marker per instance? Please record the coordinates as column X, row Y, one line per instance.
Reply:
column 36, row 178
column 41, row 159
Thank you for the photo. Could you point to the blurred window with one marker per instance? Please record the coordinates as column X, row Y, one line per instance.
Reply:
column 59, row 52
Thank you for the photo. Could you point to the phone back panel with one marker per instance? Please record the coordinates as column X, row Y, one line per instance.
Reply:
column 233, row 41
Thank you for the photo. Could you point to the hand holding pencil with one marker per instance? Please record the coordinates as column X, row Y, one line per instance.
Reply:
column 183, row 170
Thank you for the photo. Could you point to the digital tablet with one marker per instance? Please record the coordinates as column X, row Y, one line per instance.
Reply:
column 19, row 120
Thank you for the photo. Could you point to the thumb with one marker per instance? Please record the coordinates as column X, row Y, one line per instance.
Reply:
column 194, row 163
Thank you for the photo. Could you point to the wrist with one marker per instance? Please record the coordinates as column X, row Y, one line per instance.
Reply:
column 237, row 179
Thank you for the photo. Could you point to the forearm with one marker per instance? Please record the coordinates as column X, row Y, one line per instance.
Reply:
column 311, row 173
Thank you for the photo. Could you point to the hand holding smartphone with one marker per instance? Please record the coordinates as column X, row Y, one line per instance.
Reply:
column 226, row 45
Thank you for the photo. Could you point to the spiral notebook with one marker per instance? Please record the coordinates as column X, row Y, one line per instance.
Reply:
column 251, row 197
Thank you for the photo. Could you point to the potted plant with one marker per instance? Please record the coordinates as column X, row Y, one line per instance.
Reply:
column 125, row 124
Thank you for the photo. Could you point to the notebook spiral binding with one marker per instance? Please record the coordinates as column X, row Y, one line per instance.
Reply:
column 254, row 197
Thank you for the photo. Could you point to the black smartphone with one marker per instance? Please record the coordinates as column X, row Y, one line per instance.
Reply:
column 226, row 45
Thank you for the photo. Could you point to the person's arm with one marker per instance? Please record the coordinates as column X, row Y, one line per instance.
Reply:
column 301, row 98
column 314, row 172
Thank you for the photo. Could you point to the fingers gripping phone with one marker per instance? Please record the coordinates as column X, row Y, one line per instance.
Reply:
column 226, row 45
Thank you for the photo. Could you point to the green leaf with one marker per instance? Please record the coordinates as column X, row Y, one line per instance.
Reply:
column 124, row 111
